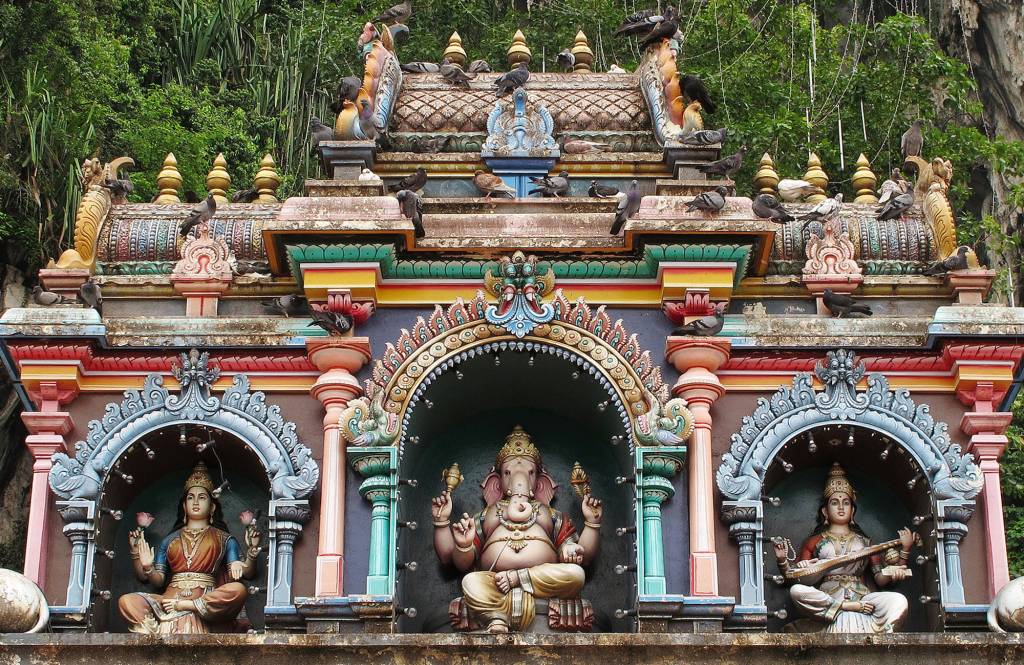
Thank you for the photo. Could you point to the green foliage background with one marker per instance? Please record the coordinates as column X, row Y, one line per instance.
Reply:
column 142, row 78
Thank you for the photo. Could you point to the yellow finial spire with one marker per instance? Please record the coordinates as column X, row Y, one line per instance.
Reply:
column 454, row 52
column 816, row 176
column 267, row 180
column 169, row 181
column 218, row 180
column 766, row 179
column 864, row 181
column 519, row 51
column 582, row 53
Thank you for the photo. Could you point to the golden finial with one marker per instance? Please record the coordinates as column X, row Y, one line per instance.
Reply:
column 816, row 176
column 452, row 477
column 169, row 181
column 267, row 180
column 455, row 53
column 218, row 180
column 766, row 179
column 519, row 51
column 581, row 51
column 864, row 181
column 579, row 480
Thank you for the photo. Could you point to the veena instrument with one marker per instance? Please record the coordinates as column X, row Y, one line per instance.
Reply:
column 813, row 573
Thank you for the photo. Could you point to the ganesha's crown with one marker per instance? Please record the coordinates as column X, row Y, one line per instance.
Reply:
column 517, row 444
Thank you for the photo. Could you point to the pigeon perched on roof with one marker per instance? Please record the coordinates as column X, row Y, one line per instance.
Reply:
column 695, row 90
column 479, row 67
column 319, row 132
column 453, row 74
column 399, row 13
column 792, row 190
column 247, row 195
column 289, row 305
column 842, row 305
column 413, row 181
column 429, row 146
column 366, row 175
column 959, row 260
column 601, row 191
column 825, row 211
column 421, row 67
column 191, row 196
column 705, row 326
column 726, row 166
column 896, row 206
column 368, row 125
column 90, row 294
column 665, row 29
column 580, row 146
column 629, row 205
column 615, row 69
column 335, row 323
column 412, row 208
column 118, row 188
column 348, row 90
column 47, row 298
column 767, row 206
column 712, row 201
column 912, row 142
column 895, row 185
column 509, row 81
column 557, row 185
column 200, row 215
column 490, row 184
column 566, row 60
column 706, row 137
column 641, row 23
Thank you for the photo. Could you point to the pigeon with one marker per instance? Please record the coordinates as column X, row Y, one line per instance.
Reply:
column 453, row 74
column 47, row 298
column 825, row 211
column 957, row 261
column 912, row 142
column 640, row 24
column 429, row 146
column 90, row 294
column 118, row 188
column 695, row 91
column 566, row 60
column 842, row 305
column 412, row 207
column 320, row 132
column 413, row 181
column 629, row 204
column 348, row 90
column 398, row 14
column 725, row 167
column 489, row 184
column 615, row 69
column 601, row 191
column 367, row 125
column 692, row 120
column 367, row 36
column 366, row 175
column 706, row 137
column 245, row 195
column 509, row 81
column 712, row 201
column 896, row 206
column 201, row 215
column 288, row 305
column 894, row 186
column 581, row 147
column 791, row 190
column 664, row 30
column 191, row 196
column 335, row 323
column 705, row 326
column 551, row 185
column 479, row 67
column 421, row 67
column 767, row 206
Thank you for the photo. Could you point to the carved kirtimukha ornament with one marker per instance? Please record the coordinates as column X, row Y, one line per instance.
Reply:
column 520, row 128
column 519, row 289
column 204, row 272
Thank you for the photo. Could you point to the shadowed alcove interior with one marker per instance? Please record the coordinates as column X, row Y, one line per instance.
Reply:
column 890, row 495
column 157, row 486
column 464, row 416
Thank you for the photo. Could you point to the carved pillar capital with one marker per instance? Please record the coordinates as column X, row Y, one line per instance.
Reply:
column 203, row 274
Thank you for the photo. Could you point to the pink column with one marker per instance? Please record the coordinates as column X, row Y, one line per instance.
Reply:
column 47, row 428
column 338, row 358
column 987, row 429
column 697, row 359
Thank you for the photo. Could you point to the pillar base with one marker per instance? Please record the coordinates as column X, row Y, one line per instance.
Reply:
column 703, row 574
column 330, row 575
column 970, row 287
column 844, row 284
column 65, row 281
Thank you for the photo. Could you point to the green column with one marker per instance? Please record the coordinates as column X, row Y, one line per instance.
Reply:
column 656, row 466
column 378, row 466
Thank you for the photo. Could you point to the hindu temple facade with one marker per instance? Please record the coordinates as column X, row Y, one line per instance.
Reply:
column 508, row 444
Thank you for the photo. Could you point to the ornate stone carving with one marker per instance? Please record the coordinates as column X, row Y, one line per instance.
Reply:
column 656, row 89
column 291, row 468
column 939, row 214
column 203, row 258
column 519, row 127
column 92, row 211
column 951, row 474
column 831, row 255
column 519, row 288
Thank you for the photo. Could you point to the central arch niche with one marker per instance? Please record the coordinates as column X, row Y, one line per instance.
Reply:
column 464, row 416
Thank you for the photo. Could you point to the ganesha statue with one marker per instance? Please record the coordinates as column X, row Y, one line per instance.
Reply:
column 518, row 550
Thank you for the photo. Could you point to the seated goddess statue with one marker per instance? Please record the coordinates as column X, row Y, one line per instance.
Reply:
column 518, row 547
column 201, row 557
column 842, row 602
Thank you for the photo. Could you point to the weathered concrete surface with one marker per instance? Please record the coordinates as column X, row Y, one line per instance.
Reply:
column 621, row 649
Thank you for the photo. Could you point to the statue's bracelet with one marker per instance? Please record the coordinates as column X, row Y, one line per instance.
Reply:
column 592, row 525
column 148, row 571
column 443, row 524
column 466, row 549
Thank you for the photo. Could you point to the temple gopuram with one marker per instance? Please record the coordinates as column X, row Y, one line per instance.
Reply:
column 521, row 378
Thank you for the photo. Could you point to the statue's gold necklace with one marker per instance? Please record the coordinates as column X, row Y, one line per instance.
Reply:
column 191, row 539
column 517, row 539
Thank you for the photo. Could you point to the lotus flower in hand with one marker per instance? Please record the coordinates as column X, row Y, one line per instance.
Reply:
column 144, row 520
column 247, row 518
